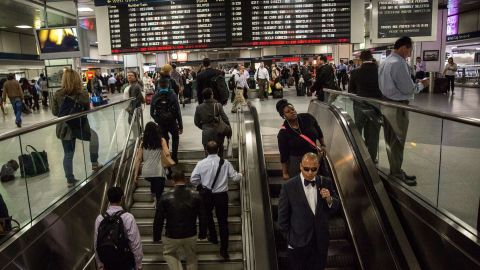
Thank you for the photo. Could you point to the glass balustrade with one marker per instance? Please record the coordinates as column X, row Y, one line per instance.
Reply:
column 442, row 153
column 41, row 180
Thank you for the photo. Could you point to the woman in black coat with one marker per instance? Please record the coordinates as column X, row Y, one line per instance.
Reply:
column 290, row 142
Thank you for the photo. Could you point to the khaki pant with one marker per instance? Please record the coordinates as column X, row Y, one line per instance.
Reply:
column 262, row 87
column 171, row 248
column 395, row 127
column 239, row 99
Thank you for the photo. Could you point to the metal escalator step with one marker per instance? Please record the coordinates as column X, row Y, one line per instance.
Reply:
column 145, row 225
column 200, row 154
column 143, row 194
column 147, row 209
column 202, row 257
column 203, row 246
column 201, row 266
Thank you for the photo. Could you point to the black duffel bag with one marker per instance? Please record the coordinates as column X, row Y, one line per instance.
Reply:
column 33, row 163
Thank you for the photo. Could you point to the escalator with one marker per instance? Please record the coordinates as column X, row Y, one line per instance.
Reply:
column 380, row 225
column 341, row 252
column 208, row 254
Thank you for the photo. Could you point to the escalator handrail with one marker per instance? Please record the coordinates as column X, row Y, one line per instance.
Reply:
column 44, row 124
column 451, row 117
column 395, row 235
column 260, row 176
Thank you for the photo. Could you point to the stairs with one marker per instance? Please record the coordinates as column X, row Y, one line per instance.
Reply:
column 341, row 253
column 209, row 258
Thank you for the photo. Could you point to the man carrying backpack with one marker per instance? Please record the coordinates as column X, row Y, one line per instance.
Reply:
column 214, row 79
column 165, row 110
column 117, row 244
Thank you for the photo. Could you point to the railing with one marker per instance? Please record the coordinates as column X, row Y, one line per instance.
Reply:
column 248, row 252
column 261, row 253
column 29, row 197
column 442, row 150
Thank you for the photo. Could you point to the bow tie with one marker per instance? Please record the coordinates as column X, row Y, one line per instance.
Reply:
column 306, row 183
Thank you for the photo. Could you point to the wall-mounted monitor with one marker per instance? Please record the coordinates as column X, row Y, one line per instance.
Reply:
column 59, row 42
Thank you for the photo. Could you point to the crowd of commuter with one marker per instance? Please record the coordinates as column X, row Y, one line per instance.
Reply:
column 300, row 142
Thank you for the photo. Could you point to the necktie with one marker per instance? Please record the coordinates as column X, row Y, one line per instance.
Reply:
column 306, row 183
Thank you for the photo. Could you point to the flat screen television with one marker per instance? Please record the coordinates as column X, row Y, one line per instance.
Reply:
column 59, row 42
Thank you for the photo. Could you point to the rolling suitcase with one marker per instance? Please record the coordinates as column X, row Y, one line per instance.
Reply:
column 440, row 86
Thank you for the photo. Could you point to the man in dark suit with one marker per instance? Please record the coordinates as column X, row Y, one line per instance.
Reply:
column 306, row 202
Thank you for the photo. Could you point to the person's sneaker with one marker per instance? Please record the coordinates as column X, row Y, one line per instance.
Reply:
column 19, row 124
column 225, row 255
column 96, row 166
column 72, row 183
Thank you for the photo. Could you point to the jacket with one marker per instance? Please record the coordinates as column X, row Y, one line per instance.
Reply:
column 12, row 89
column 203, row 81
column 325, row 78
column 204, row 119
column 63, row 130
column 172, row 103
column 181, row 208
column 295, row 218
column 364, row 81
column 135, row 91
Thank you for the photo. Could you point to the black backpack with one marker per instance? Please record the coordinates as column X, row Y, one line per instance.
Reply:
column 220, row 88
column 164, row 112
column 112, row 241
column 78, row 125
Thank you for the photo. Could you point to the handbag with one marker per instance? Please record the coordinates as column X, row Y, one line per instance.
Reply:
column 205, row 191
column 220, row 126
column 167, row 161
column 33, row 163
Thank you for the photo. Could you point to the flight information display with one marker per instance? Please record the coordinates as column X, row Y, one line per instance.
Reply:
column 156, row 25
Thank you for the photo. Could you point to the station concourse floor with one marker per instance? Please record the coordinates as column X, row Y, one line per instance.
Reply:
column 456, row 190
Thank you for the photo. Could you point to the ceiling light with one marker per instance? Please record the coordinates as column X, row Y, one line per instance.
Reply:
column 85, row 9
column 23, row 26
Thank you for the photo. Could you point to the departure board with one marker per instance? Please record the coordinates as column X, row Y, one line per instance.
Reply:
column 156, row 25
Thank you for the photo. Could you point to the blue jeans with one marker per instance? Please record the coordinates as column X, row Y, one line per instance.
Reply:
column 69, row 151
column 17, row 109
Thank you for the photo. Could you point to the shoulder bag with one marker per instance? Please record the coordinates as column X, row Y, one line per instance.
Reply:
column 33, row 163
column 221, row 127
column 165, row 159
column 205, row 191
column 323, row 166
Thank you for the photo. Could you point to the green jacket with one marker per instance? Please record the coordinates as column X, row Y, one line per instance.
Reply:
column 63, row 130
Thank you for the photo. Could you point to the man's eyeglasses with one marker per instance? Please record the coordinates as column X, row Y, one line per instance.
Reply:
column 310, row 169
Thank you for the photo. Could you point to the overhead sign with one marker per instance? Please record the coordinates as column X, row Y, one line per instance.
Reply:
column 392, row 19
column 158, row 25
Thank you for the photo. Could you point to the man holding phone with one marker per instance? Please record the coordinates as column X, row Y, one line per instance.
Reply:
column 306, row 203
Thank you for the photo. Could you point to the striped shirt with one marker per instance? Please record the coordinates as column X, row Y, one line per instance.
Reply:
column 395, row 81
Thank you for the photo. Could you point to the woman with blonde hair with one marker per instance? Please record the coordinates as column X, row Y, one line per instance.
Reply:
column 71, row 99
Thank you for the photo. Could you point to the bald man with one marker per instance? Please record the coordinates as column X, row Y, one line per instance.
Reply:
column 306, row 203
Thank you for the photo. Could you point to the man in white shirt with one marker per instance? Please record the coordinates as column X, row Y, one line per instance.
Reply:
column 306, row 202
column 262, row 78
column 203, row 176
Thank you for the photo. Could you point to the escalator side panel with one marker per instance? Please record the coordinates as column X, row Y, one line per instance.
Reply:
column 435, row 240
column 371, row 235
column 63, row 237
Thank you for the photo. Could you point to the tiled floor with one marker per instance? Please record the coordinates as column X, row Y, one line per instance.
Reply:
column 458, row 185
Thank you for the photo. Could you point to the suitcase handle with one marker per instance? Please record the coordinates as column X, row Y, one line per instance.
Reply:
column 29, row 145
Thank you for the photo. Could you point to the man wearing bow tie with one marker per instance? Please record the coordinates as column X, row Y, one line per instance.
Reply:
column 306, row 202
